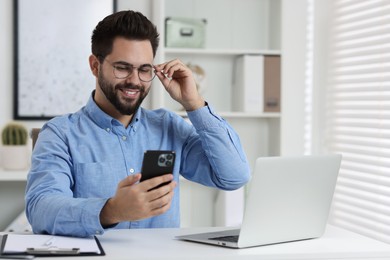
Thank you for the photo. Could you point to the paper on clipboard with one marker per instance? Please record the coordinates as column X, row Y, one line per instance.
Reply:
column 16, row 243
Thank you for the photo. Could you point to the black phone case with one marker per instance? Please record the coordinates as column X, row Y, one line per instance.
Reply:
column 156, row 163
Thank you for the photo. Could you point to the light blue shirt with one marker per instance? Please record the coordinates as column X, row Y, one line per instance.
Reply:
column 80, row 158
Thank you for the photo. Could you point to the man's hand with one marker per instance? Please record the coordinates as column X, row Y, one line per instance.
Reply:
column 178, row 80
column 135, row 201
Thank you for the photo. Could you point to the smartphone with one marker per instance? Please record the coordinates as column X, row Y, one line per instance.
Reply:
column 156, row 163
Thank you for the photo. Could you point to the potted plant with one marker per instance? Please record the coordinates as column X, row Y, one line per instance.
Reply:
column 15, row 154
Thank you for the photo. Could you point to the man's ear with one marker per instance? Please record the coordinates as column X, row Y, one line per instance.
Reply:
column 94, row 65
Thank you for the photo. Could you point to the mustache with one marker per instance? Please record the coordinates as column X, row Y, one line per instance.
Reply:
column 128, row 86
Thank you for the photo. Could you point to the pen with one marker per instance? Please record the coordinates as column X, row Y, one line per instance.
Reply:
column 50, row 241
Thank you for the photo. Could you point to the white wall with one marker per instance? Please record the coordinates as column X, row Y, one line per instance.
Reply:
column 293, row 76
column 320, row 72
column 294, row 26
column 6, row 61
column 7, row 65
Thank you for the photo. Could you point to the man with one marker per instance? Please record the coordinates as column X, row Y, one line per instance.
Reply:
column 85, row 168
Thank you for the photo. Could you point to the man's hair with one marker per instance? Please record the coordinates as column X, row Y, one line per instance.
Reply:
column 128, row 24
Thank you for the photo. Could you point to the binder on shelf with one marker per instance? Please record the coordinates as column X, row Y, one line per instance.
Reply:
column 247, row 91
column 47, row 245
column 272, row 83
column 256, row 84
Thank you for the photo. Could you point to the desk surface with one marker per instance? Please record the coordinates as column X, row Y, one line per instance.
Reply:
column 161, row 244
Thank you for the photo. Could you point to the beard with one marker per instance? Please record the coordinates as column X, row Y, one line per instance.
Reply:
column 123, row 105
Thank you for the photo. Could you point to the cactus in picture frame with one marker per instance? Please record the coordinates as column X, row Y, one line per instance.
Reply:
column 14, row 134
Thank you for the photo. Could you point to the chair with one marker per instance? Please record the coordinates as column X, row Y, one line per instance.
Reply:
column 34, row 135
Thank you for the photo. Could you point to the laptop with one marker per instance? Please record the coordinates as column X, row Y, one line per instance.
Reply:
column 288, row 199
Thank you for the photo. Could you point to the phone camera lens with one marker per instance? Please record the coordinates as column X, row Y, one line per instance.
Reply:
column 169, row 156
column 161, row 159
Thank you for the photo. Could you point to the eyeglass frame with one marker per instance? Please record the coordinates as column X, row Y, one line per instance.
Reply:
column 131, row 69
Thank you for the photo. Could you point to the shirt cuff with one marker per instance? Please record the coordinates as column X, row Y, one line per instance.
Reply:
column 205, row 117
column 91, row 216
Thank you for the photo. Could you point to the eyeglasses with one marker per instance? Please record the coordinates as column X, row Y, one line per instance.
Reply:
column 124, row 70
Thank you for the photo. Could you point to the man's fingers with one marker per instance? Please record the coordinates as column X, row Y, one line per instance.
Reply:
column 161, row 205
column 135, row 200
column 164, row 80
column 169, row 68
column 129, row 180
column 154, row 182
column 162, row 210
column 161, row 191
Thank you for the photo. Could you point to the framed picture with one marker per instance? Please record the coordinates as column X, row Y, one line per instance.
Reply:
column 52, row 46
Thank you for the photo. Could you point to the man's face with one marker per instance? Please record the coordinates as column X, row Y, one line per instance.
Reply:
column 126, row 95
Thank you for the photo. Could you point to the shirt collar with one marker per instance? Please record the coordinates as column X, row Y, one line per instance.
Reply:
column 104, row 120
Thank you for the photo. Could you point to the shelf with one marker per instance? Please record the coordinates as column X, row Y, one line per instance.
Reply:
column 17, row 175
column 222, row 52
column 239, row 114
column 249, row 115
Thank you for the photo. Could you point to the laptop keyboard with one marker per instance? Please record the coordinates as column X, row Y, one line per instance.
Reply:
column 226, row 238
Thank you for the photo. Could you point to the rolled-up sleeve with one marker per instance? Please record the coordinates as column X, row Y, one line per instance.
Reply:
column 214, row 155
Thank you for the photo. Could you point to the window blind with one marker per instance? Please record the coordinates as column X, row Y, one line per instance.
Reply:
column 358, row 115
column 309, row 77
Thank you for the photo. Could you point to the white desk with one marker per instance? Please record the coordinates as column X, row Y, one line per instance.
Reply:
column 160, row 244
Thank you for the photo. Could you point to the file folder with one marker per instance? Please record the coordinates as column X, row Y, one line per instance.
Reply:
column 247, row 94
column 257, row 84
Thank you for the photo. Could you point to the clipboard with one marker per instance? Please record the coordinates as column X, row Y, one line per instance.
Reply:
column 50, row 249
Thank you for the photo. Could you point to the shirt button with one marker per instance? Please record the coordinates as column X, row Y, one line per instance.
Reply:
column 124, row 138
column 108, row 129
column 131, row 170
